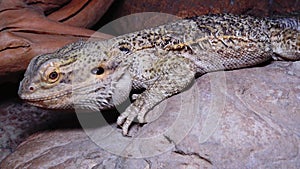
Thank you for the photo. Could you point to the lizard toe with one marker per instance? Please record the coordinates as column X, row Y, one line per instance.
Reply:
column 121, row 119
column 141, row 117
column 127, row 123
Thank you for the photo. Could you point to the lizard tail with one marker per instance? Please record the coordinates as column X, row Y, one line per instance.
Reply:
column 288, row 23
column 285, row 38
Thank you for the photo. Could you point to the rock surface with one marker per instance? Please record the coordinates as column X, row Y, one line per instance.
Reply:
column 247, row 118
column 19, row 120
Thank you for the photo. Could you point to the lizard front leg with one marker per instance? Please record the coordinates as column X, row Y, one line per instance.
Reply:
column 172, row 75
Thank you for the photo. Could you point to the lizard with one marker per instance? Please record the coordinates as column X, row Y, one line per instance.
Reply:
column 160, row 62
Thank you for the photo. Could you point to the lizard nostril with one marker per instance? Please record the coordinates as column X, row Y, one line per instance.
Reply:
column 31, row 88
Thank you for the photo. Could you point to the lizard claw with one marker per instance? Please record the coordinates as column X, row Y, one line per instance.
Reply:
column 121, row 119
column 127, row 117
column 124, row 121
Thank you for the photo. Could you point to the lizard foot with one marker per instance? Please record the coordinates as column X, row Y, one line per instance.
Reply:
column 127, row 117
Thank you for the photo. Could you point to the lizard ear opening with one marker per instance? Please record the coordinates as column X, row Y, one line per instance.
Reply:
column 98, row 70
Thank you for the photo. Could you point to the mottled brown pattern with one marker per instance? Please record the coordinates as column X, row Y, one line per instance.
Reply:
column 162, row 60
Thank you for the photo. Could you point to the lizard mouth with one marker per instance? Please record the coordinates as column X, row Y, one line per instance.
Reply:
column 54, row 99
column 54, row 95
column 52, row 102
column 47, row 98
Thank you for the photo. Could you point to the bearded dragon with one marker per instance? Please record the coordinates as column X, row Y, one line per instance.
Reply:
column 159, row 61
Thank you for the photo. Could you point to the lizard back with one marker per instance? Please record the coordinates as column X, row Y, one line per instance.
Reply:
column 218, row 42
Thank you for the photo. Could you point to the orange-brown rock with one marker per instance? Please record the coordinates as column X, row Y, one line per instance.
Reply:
column 187, row 8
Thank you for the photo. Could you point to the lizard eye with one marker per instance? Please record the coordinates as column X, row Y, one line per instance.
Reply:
column 51, row 75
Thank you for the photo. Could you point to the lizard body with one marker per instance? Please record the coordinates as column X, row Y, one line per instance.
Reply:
column 161, row 60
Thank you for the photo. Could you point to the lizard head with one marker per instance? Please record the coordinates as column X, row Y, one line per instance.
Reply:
column 81, row 74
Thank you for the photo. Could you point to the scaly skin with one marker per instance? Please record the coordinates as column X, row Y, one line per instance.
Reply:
column 162, row 61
